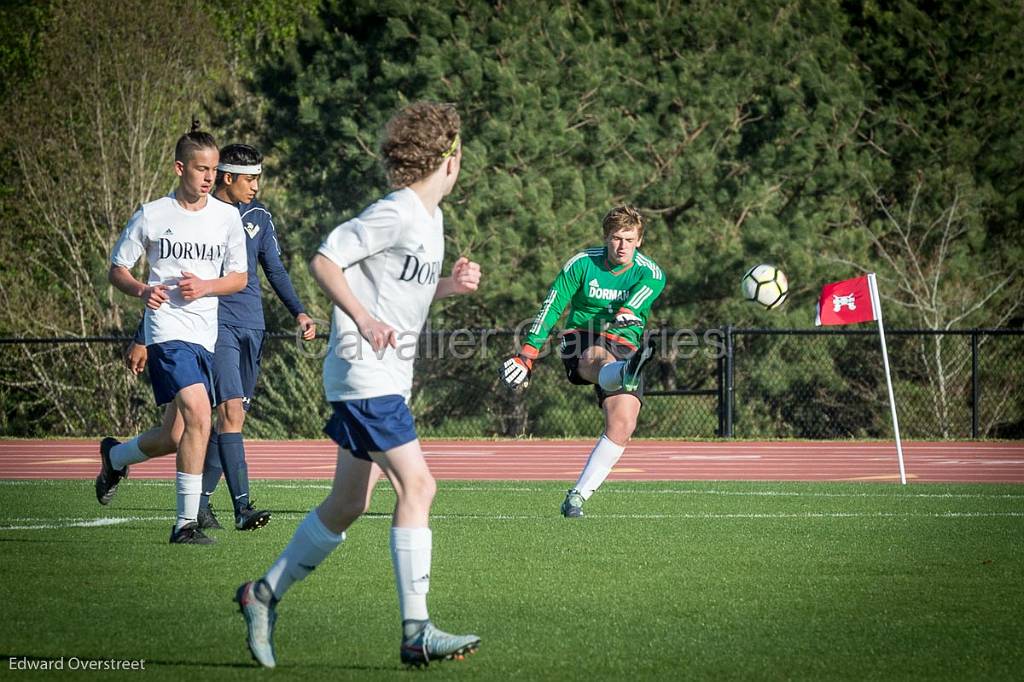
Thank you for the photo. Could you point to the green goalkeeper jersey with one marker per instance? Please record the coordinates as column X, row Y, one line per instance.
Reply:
column 596, row 292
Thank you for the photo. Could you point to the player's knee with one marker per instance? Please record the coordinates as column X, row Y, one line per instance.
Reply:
column 419, row 491
column 232, row 416
column 620, row 429
column 196, row 415
column 424, row 490
column 198, row 422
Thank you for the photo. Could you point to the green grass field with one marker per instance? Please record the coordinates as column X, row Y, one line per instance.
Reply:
column 660, row 581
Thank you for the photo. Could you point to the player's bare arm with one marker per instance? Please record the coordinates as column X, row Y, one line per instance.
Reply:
column 331, row 279
column 192, row 287
column 465, row 279
column 123, row 280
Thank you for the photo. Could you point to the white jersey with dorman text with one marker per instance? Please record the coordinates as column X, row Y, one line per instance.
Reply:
column 391, row 254
column 207, row 243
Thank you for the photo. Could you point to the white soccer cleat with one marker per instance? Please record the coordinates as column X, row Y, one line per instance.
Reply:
column 431, row 644
column 260, row 617
column 572, row 506
column 635, row 366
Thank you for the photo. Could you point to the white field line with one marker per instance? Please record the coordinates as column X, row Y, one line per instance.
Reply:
column 117, row 520
column 384, row 486
column 47, row 524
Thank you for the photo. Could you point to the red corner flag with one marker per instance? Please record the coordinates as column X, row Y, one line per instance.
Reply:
column 846, row 302
column 856, row 300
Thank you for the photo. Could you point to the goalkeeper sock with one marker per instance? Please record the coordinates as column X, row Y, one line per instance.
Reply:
column 310, row 545
column 127, row 453
column 610, row 376
column 602, row 458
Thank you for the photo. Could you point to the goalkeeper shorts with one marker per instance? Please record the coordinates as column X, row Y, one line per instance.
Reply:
column 571, row 348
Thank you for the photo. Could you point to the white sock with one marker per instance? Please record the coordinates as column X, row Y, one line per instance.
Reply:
column 610, row 376
column 127, row 453
column 190, row 486
column 410, row 555
column 602, row 458
column 310, row 545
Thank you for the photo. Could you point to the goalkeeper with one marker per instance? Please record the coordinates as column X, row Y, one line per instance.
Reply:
column 610, row 290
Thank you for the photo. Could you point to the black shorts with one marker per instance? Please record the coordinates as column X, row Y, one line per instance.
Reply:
column 571, row 348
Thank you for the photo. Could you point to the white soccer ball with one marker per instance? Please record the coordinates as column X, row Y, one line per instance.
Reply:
column 766, row 285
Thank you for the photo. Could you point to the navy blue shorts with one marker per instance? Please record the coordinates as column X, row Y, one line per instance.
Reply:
column 236, row 363
column 173, row 365
column 371, row 425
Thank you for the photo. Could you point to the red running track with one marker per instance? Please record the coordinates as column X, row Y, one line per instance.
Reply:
column 967, row 462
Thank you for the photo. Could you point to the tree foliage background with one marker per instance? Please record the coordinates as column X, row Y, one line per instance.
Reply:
column 827, row 137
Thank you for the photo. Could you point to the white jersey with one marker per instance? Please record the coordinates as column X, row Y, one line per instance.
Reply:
column 391, row 254
column 206, row 243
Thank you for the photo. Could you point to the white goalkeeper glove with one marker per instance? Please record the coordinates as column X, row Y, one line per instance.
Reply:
column 625, row 318
column 515, row 373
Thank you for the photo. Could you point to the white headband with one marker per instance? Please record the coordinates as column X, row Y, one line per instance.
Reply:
column 240, row 170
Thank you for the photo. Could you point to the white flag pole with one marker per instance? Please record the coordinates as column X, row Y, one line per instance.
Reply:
column 876, row 305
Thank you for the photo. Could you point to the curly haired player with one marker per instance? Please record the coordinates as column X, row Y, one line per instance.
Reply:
column 381, row 270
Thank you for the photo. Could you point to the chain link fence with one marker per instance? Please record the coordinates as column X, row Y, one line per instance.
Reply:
column 747, row 383
column 831, row 384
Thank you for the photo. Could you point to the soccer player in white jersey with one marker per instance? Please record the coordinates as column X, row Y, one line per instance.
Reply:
column 188, row 240
column 381, row 270
column 240, row 338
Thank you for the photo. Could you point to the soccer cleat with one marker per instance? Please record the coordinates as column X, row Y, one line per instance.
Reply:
column 109, row 477
column 189, row 534
column 250, row 518
column 259, row 617
column 572, row 506
column 431, row 644
column 635, row 365
column 207, row 520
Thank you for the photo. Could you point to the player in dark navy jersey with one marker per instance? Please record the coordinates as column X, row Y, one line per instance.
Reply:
column 240, row 336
